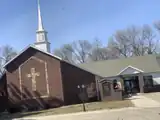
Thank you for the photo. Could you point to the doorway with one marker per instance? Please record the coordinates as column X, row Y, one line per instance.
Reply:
column 131, row 85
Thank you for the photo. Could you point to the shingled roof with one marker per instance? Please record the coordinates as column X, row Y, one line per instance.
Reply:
column 108, row 68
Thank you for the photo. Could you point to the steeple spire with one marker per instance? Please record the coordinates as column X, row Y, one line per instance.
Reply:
column 41, row 35
column 40, row 23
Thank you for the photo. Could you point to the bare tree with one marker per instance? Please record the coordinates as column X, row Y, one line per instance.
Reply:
column 135, row 41
column 65, row 52
column 149, row 40
column 113, row 52
column 132, row 41
column 81, row 50
column 96, row 52
column 6, row 53
column 157, row 25
column 144, row 41
column 99, row 52
column 77, row 51
column 121, row 42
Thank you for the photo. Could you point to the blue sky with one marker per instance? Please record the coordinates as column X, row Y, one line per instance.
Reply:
column 70, row 20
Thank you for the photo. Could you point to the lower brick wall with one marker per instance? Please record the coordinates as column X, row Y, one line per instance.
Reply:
column 155, row 88
column 3, row 103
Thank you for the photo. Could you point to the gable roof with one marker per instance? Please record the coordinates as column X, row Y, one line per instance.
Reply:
column 108, row 68
column 30, row 46
column 51, row 55
column 129, row 67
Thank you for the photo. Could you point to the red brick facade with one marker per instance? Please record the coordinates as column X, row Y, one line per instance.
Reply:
column 56, row 81
column 48, row 81
column 72, row 77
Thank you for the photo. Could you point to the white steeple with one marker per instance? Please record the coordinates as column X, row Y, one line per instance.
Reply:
column 41, row 35
column 40, row 24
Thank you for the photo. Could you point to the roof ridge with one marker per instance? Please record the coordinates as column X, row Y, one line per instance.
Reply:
column 118, row 59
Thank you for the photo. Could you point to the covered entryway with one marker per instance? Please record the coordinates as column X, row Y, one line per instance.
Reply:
column 128, row 81
column 131, row 84
column 107, row 89
column 132, row 80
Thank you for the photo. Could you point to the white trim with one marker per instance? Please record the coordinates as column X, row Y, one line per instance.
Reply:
column 46, row 76
column 20, row 82
column 111, row 78
column 130, row 67
column 30, row 46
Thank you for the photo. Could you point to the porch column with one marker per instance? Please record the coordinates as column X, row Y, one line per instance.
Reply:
column 98, row 87
column 141, row 82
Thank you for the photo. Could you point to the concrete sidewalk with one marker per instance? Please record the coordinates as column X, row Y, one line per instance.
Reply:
column 154, row 96
column 144, row 102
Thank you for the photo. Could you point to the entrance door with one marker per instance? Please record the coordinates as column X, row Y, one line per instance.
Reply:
column 131, row 85
column 135, row 87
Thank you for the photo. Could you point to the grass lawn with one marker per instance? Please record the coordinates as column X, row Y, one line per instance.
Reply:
column 74, row 108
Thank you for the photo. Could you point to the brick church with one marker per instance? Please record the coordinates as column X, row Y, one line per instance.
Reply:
column 36, row 78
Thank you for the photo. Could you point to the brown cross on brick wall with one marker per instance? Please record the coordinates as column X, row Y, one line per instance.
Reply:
column 33, row 76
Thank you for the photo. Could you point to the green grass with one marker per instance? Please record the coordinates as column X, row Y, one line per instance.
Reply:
column 75, row 108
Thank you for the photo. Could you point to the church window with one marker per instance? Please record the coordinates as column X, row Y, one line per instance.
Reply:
column 148, row 81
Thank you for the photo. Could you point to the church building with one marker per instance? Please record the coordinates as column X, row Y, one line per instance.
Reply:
column 37, row 78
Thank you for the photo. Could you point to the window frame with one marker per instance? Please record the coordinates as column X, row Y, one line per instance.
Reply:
column 150, row 82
